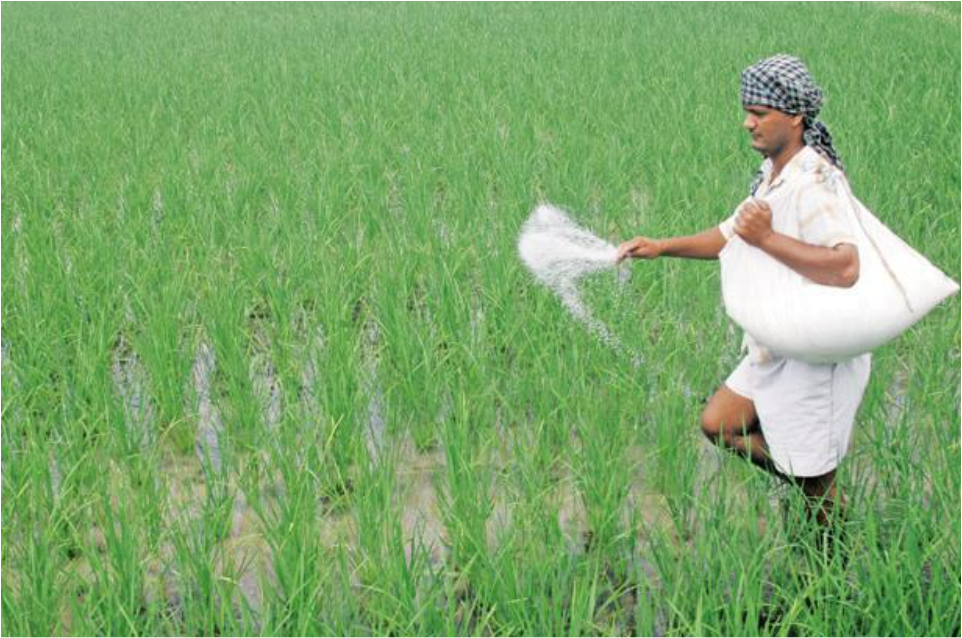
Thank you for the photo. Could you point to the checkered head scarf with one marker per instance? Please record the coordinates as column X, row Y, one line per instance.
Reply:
column 782, row 82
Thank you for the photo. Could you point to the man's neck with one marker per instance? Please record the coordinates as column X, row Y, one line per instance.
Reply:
column 784, row 157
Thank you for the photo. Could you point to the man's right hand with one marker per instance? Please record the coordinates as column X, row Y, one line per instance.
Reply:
column 639, row 248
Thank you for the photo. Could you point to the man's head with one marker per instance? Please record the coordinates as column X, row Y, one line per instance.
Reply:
column 782, row 82
column 782, row 101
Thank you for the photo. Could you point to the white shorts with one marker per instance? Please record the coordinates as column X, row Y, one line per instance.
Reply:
column 805, row 410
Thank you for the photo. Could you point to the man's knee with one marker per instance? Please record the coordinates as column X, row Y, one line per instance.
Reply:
column 711, row 425
column 727, row 415
column 716, row 428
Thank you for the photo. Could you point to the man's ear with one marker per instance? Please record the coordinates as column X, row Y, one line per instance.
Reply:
column 797, row 121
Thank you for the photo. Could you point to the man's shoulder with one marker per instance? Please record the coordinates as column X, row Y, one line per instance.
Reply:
column 820, row 177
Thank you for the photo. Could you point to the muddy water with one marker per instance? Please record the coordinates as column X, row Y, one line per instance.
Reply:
column 310, row 405
column 130, row 380
column 376, row 423
column 417, row 476
column 418, row 473
column 263, row 375
column 210, row 425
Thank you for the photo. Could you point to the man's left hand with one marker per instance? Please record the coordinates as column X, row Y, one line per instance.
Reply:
column 754, row 222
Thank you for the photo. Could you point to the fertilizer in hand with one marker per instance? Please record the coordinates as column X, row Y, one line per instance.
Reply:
column 559, row 254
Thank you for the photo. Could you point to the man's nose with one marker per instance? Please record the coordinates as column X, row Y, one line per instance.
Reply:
column 749, row 122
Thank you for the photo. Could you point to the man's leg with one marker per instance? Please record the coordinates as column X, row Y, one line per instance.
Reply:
column 825, row 504
column 824, row 499
column 729, row 420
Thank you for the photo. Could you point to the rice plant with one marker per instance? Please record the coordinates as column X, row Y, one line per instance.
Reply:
column 272, row 365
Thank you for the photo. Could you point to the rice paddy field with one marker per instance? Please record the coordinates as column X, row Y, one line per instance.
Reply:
column 271, row 364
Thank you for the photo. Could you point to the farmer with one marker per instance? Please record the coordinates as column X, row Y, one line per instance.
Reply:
column 792, row 418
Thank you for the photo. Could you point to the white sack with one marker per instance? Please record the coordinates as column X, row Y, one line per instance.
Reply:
column 800, row 319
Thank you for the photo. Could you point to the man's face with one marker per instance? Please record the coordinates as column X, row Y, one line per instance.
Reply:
column 771, row 129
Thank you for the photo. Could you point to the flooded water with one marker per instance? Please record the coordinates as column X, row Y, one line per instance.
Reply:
column 376, row 423
column 419, row 472
column 263, row 374
column 417, row 477
column 210, row 425
column 130, row 380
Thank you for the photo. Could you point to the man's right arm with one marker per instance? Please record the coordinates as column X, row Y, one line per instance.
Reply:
column 705, row 245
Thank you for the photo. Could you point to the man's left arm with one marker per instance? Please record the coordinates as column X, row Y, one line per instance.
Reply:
column 830, row 266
